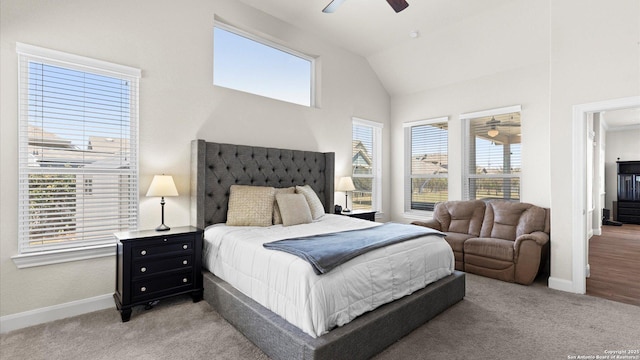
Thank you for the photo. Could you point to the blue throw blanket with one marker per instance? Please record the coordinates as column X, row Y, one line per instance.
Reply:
column 326, row 251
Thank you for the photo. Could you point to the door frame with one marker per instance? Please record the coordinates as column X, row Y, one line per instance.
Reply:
column 579, row 208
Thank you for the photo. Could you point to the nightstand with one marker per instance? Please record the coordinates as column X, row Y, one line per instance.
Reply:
column 151, row 265
column 361, row 214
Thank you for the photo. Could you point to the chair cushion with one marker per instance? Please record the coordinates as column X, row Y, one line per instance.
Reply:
column 463, row 217
column 508, row 220
column 456, row 240
column 500, row 249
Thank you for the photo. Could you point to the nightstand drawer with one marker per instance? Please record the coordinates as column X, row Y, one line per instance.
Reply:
column 153, row 287
column 146, row 267
column 183, row 244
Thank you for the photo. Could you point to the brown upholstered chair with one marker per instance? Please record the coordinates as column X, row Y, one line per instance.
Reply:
column 511, row 244
column 460, row 221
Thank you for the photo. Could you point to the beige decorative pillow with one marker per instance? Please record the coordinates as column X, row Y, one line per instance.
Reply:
column 294, row 209
column 315, row 205
column 250, row 205
column 277, row 218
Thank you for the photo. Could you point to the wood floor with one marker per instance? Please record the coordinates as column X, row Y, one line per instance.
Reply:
column 614, row 258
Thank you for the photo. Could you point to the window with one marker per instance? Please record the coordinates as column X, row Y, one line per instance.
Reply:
column 244, row 62
column 366, row 163
column 427, row 163
column 492, row 154
column 78, row 167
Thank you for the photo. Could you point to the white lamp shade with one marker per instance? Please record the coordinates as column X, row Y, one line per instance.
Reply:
column 162, row 185
column 345, row 184
column 493, row 132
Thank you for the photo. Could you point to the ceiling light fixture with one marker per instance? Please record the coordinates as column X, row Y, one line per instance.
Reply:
column 493, row 132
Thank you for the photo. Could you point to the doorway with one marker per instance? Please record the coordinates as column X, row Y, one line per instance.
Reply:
column 581, row 193
column 612, row 251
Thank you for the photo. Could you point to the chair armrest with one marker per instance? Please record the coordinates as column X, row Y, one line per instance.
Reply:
column 541, row 238
column 528, row 255
column 432, row 223
column 526, row 242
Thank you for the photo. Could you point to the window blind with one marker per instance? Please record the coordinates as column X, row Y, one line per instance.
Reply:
column 493, row 157
column 78, row 157
column 366, row 164
column 428, row 163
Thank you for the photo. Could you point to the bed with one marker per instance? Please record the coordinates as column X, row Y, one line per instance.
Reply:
column 215, row 168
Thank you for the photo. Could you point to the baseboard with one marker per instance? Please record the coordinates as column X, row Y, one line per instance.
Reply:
column 55, row 312
column 561, row 284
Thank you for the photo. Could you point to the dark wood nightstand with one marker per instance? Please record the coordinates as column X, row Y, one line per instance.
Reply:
column 151, row 265
column 361, row 214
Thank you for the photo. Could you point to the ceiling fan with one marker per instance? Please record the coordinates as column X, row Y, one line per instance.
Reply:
column 493, row 124
column 397, row 5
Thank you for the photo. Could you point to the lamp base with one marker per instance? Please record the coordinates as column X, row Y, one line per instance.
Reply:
column 163, row 227
column 346, row 210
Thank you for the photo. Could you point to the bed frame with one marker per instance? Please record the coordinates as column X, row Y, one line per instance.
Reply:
column 214, row 168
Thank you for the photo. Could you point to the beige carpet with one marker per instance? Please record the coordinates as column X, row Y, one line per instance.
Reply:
column 496, row 320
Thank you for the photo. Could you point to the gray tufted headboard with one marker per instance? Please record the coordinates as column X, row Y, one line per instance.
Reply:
column 215, row 167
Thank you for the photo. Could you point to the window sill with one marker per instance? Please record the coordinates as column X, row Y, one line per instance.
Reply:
column 418, row 215
column 28, row 260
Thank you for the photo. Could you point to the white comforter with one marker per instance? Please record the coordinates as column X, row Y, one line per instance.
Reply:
column 287, row 285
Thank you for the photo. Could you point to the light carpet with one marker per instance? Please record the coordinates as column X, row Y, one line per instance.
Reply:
column 496, row 320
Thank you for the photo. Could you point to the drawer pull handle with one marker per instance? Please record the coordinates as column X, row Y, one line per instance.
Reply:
column 144, row 269
column 184, row 280
column 143, row 289
column 184, row 262
column 143, row 252
column 185, row 246
column 165, row 239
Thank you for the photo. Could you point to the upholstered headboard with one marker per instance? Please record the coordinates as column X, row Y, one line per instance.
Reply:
column 215, row 167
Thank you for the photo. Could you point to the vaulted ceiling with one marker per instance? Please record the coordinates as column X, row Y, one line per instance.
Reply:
column 457, row 40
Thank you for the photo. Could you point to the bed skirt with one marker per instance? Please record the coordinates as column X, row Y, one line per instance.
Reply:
column 362, row 338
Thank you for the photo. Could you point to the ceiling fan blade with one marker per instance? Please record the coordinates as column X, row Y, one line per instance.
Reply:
column 398, row 5
column 333, row 6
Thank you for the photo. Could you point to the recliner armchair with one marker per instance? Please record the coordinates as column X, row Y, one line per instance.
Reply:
column 500, row 239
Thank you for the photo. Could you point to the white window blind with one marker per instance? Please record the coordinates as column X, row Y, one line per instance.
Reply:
column 366, row 164
column 493, row 155
column 427, row 163
column 78, row 157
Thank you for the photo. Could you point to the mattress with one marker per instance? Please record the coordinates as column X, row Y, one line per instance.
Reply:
column 288, row 286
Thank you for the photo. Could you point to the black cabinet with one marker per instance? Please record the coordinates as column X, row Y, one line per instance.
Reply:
column 152, row 265
column 361, row 214
column 629, row 192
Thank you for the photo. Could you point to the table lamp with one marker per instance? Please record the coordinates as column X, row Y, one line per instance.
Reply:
column 346, row 184
column 162, row 185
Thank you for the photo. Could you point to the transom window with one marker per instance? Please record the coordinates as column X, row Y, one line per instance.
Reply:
column 492, row 154
column 245, row 62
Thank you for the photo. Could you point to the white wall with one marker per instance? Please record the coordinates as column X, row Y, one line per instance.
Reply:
column 592, row 54
column 172, row 43
column 595, row 56
column 623, row 144
column 525, row 86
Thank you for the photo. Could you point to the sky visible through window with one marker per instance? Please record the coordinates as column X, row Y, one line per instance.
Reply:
column 246, row 65
column 75, row 104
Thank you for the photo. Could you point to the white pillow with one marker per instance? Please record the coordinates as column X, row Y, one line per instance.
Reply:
column 250, row 205
column 315, row 205
column 277, row 218
column 294, row 209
